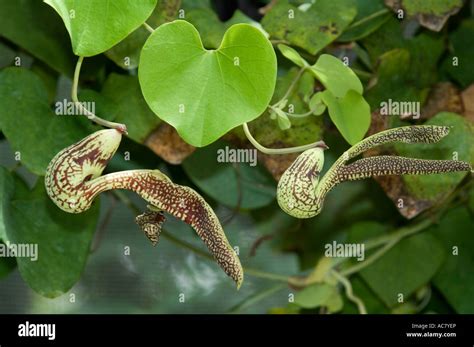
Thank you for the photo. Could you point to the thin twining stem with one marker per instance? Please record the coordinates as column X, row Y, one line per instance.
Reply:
column 300, row 115
column 290, row 88
column 118, row 126
column 295, row 115
column 349, row 292
column 288, row 150
column 148, row 27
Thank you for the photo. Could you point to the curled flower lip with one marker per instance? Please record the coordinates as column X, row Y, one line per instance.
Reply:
column 301, row 193
column 73, row 180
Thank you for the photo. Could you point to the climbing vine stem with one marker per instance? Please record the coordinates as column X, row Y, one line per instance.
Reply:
column 148, row 27
column 349, row 292
column 120, row 127
column 290, row 88
column 288, row 150
column 279, row 105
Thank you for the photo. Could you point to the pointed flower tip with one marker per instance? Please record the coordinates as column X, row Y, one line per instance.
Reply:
column 322, row 145
column 122, row 129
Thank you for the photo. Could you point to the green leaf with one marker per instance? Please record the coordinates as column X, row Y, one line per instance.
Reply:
column 96, row 26
column 129, row 106
column 28, row 122
column 424, row 51
column 204, row 94
column 126, row 53
column 210, row 28
column 365, row 230
column 292, row 55
column 460, row 142
column 312, row 29
column 246, row 186
column 317, row 295
column 283, row 120
column 393, row 79
column 455, row 279
column 239, row 17
column 336, row 76
column 63, row 240
column 35, row 27
column 411, row 263
column 350, row 114
column 461, row 40
column 316, row 104
column 371, row 15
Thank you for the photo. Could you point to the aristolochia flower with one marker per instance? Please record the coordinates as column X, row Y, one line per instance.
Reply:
column 73, row 180
column 301, row 194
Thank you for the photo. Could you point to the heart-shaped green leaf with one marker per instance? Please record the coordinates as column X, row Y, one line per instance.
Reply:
column 205, row 93
column 95, row 26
